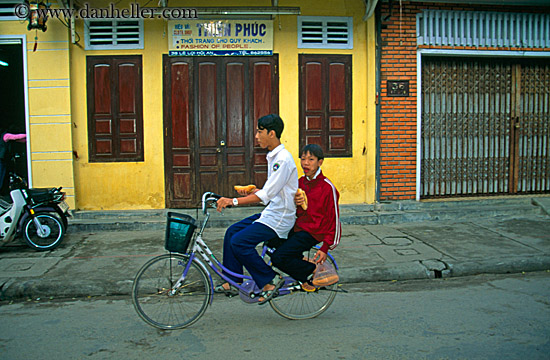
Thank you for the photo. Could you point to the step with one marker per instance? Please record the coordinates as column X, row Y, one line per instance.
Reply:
column 358, row 214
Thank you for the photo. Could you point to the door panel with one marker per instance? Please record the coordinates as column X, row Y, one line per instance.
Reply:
column 178, row 106
column 484, row 127
column 264, row 101
column 532, row 128
column 208, row 129
column 235, row 136
column 235, row 109
column 228, row 91
column 207, row 104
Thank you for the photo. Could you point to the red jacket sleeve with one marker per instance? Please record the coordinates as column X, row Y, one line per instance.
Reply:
column 330, row 227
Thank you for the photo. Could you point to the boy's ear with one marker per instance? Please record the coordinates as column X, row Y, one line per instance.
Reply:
column 272, row 133
column 321, row 162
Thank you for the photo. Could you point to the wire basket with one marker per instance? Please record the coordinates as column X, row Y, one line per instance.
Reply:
column 179, row 232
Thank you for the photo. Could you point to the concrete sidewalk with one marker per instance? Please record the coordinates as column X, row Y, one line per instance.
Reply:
column 396, row 241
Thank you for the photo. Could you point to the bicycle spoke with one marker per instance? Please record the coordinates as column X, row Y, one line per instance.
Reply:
column 161, row 306
column 300, row 304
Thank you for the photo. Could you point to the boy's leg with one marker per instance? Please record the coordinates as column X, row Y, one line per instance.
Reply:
column 229, row 259
column 289, row 256
column 244, row 249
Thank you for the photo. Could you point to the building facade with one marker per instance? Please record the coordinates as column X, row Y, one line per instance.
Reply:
column 465, row 99
column 36, row 99
column 132, row 107
column 148, row 112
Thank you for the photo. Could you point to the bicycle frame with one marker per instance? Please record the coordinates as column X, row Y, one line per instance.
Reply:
column 164, row 304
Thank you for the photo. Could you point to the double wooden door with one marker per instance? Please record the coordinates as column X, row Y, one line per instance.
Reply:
column 211, row 109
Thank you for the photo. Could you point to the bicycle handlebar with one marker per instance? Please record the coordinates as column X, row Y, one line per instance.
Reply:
column 209, row 199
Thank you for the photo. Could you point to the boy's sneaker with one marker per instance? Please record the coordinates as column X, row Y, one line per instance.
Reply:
column 308, row 287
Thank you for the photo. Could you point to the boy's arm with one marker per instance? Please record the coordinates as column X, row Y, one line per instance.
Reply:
column 225, row 202
column 330, row 227
column 275, row 182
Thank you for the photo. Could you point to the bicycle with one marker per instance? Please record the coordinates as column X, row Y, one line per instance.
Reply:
column 172, row 291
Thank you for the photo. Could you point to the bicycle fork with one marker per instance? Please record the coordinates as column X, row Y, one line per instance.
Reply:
column 181, row 280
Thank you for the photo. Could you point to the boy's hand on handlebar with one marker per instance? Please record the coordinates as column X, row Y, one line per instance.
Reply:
column 320, row 257
column 223, row 203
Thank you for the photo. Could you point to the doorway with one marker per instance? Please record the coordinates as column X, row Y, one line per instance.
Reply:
column 211, row 109
column 13, row 105
column 485, row 126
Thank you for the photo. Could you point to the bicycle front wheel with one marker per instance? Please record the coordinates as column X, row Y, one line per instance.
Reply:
column 300, row 305
column 163, row 306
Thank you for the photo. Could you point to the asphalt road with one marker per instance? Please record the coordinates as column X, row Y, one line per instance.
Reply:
column 482, row 317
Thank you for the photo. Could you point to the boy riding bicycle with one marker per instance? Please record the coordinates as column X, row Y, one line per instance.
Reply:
column 275, row 221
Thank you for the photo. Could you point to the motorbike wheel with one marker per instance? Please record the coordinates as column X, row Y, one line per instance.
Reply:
column 51, row 235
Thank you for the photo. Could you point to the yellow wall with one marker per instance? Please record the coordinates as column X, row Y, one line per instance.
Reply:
column 122, row 185
column 140, row 185
column 354, row 177
column 49, row 105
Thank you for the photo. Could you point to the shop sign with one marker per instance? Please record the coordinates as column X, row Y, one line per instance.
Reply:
column 220, row 38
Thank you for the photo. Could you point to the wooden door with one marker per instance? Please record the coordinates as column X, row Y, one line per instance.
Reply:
column 211, row 109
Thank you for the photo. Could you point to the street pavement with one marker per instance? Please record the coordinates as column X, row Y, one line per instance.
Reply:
column 394, row 241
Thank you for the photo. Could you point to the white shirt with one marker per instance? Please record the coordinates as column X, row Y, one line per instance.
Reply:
column 278, row 192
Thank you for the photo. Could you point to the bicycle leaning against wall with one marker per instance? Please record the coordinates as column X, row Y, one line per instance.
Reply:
column 172, row 291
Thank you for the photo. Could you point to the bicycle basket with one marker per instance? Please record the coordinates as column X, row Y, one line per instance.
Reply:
column 179, row 232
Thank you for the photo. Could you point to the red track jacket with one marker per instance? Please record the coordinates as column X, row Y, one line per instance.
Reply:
column 322, row 218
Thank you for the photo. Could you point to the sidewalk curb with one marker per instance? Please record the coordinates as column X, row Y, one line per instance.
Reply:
column 358, row 214
column 46, row 288
column 501, row 266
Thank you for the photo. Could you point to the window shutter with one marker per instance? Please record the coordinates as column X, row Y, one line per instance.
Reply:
column 484, row 29
column 325, row 103
column 325, row 32
column 7, row 10
column 115, row 115
column 113, row 34
column 311, row 32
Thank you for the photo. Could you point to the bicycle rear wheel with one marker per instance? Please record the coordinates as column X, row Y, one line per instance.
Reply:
column 300, row 305
column 156, row 302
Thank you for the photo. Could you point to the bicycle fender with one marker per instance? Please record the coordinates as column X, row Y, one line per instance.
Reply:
column 55, row 208
column 200, row 263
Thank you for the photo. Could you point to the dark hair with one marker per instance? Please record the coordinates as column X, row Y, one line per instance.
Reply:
column 314, row 150
column 272, row 122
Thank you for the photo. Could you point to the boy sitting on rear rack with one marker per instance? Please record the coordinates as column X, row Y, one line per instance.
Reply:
column 320, row 222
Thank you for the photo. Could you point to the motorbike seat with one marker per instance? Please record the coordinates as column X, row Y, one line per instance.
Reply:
column 39, row 195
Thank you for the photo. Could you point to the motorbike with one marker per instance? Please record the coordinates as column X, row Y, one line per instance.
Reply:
column 38, row 214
